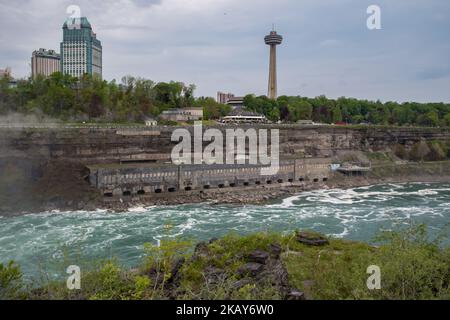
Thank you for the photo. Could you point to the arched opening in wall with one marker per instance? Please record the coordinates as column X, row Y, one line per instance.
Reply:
column 325, row 179
column 269, row 181
column 221, row 186
column 301, row 179
column 158, row 190
column 232, row 185
column 172, row 189
column 188, row 188
column 207, row 187
column 280, row 180
column 291, row 180
column 246, row 184
column 141, row 192
column 316, row 180
column 257, row 183
column 108, row 194
column 126, row 193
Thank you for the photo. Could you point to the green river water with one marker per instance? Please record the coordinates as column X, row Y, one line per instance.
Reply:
column 51, row 241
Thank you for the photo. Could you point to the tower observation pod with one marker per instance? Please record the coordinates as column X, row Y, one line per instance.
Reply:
column 273, row 40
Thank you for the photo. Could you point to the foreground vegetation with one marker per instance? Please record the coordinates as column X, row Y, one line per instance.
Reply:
column 133, row 99
column 412, row 267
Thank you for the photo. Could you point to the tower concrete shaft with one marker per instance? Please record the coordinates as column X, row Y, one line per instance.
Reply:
column 272, row 93
column 273, row 39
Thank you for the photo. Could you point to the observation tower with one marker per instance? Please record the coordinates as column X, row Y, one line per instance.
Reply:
column 273, row 40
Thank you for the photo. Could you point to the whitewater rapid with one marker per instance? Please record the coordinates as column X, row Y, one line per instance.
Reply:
column 51, row 241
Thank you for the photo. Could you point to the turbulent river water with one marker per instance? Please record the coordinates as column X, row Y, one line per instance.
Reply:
column 52, row 241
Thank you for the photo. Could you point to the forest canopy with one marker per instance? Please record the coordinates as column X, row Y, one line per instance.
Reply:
column 351, row 111
column 92, row 99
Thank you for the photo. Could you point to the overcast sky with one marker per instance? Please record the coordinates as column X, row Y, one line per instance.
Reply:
column 219, row 44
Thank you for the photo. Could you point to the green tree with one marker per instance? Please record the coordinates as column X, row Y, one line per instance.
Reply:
column 212, row 110
column 336, row 114
column 447, row 119
column 300, row 110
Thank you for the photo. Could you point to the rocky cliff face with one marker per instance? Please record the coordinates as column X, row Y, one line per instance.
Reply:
column 47, row 167
column 89, row 146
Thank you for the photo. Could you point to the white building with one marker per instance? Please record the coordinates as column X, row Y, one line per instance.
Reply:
column 240, row 115
column 185, row 114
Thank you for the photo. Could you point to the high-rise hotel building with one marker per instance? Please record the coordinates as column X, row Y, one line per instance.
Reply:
column 224, row 97
column 81, row 51
column 45, row 63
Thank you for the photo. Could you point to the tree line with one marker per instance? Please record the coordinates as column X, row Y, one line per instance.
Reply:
column 351, row 111
column 133, row 99
column 92, row 99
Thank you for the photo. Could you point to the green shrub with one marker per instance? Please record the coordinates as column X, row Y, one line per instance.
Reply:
column 438, row 151
column 400, row 151
column 413, row 267
column 419, row 151
column 160, row 261
column 169, row 123
column 142, row 286
column 11, row 282
column 108, row 282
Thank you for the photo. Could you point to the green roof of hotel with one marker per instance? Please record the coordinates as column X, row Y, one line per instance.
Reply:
column 84, row 22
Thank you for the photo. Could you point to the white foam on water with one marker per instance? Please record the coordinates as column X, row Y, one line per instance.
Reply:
column 426, row 192
column 243, row 214
column 188, row 225
column 342, row 234
column 330, row 199
column 138, row 209
column 397, row 186
column 286, row 203
column 363, row 188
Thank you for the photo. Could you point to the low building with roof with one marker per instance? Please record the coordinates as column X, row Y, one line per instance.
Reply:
column 240, row 115
column 236, row 102
column 185, row 114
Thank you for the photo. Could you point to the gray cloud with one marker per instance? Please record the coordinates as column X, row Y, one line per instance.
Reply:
column 218, row 45
column 434, row 73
